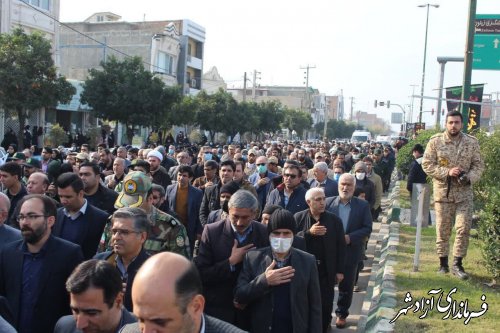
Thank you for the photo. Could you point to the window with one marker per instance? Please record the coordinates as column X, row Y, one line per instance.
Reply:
column 44, row 4
column 165, row 63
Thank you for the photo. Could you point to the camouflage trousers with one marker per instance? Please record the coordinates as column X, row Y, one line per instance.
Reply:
column 446, row 212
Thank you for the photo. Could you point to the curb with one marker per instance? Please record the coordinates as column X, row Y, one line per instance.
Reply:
column 381, row 292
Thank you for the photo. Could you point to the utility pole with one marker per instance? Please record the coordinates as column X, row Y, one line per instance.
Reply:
column 245, row 87
column 352, row 107
column 254, row 83
column 306, row 77
column 468, row 59
column 410, row 116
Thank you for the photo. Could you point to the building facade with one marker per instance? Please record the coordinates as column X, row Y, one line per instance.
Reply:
column 30, row 15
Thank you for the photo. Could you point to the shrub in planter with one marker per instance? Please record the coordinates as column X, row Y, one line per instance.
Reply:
column 489, row 233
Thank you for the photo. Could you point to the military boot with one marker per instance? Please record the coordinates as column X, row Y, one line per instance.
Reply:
column 443, row 265
column 457, row 269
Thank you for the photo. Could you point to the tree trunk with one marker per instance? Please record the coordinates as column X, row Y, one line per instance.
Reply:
column 212, row 135
column 130, row 134
column 20, row 133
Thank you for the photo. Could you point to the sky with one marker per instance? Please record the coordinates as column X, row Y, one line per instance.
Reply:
column 365, row 49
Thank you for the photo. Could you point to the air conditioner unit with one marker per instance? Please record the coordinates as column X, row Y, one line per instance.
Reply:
column 193, row 82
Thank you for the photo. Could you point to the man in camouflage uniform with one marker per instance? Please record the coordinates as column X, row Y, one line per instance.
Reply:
column 166, row 233
column 454, row 162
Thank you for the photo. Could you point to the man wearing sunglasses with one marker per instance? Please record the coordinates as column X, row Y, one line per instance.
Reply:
column 129, row 230
column 291, row 194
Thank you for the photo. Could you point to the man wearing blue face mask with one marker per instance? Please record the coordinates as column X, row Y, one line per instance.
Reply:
column 261, row 180
column 279, row 284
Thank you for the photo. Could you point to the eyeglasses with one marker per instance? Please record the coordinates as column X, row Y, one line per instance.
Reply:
column 289, row 175
column 261, row 164
column 29, row 217
column 124, row 232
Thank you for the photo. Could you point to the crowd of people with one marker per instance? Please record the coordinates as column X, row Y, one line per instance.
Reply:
column 229, row 238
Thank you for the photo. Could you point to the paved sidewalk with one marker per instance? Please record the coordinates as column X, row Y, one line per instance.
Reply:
column 361, row 301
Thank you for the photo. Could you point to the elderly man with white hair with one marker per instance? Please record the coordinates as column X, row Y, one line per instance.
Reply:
column 357, row 221
column 320, row 172
column 324, row 237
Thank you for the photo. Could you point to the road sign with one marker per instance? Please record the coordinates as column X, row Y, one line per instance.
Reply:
column 487, row 42
column 396, row 118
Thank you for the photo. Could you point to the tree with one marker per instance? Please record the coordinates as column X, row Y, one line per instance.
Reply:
column 124, row 91
column 214, row 111
column 336, row 128
column 296, row 120
column 270, row 115
column 28, row 77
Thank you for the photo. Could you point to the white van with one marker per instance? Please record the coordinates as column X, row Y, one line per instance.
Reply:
column 361, row 136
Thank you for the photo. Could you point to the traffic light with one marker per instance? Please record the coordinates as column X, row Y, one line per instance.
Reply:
column 442, row 112
column 375, row 104
column 388, row 104
column 432, row 112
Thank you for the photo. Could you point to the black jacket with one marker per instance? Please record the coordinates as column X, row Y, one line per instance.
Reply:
column 67, row 324
column 95, row 221
column 416, row 175
column 252, row 290
column 212, row 262
column 104, row 199
column 333, row 241
column 132, row 269
column 51, row 299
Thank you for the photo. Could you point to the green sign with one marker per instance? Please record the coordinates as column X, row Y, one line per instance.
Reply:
column 487, row 42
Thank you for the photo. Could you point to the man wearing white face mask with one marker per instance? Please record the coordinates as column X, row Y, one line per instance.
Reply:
column 280, row 283
column 364, row 183
column 262, row 180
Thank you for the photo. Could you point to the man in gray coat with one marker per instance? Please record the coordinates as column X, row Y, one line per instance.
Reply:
column 279, row 284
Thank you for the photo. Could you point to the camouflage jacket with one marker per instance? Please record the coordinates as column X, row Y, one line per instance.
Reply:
column 442, row 154
column 166, row 234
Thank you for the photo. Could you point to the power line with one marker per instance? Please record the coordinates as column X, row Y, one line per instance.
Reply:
column 89, row 37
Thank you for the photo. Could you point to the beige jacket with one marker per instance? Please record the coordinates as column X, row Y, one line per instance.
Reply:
column 441, row 154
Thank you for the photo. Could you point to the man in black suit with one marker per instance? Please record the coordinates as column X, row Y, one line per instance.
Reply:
column 78, row 221
column 167, row 298
column 222, row 248
column 279, row 284
column 321, row 179
column 95, row 193
column 211, row 201
column 33, row 270
column 96, row 300
column 324, row 236
column 357, row 222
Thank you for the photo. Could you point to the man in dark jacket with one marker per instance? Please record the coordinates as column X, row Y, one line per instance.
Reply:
column 33, row 270
column 96, row 194
column 167, row 298
column 222, row 248
column 416, row 175
column 291, row 194
column 279, row 283
column 324, row 236
column 78, row 221
column 129, row 231
column 210, row 201
column 95, row 287
column 364, row 183
column 357, row 222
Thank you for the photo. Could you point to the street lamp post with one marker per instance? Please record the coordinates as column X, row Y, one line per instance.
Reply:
column 425, row 56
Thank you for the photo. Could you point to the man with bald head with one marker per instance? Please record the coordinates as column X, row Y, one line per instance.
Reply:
column 38, row 182
column 167, row 298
